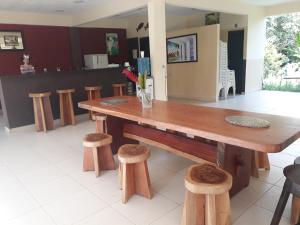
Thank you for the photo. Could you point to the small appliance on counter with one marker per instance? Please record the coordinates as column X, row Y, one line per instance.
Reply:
column 96, row 61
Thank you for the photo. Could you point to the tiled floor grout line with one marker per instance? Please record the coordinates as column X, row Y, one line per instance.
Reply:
column 252, row 203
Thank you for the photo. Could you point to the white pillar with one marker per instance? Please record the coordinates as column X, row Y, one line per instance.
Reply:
column 157, row 39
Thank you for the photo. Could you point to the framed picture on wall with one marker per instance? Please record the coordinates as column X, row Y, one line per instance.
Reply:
column 112, row 44
column 11, row 41
column 182, row 49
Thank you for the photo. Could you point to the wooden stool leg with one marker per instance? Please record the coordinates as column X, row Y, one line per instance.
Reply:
column 106, row 158
column 97, row 164
column 295, row 216
column 263, row 160
column 128, row 185
column 282, row 202
column 142, row 180
column 210, row 210
column 71, row 109
column 48, row 113
column 223, row 209
column 62, row 110
column 193, row 209
column 120, row 175
column 37, row 113
column 43, row 115
column 100, row 126
column 254, row 164
column 88, row 160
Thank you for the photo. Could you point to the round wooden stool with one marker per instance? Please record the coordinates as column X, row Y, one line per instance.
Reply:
column 291, row 186
column 93, row 92
column 295, row 214
column 119, row 89
column 97, row 153
column 66, row 107
column 42, row 111
column 260, row 160
column 133, row 171
column 101, row 126
column 207, row 196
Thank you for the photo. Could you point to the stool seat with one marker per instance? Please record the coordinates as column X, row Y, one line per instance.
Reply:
column 92, row 88
column 207, row 196
column 66, row 108
column 93, row 92
column 207, row 179
column 43, row 116
column 39, row 95
column 96, row 140
column 65, row 91
column 97, row 153
column 99, row 116
column 101, row 125
column 133, row 171
column 131, row 153
column 291, row 186
column 119, row 89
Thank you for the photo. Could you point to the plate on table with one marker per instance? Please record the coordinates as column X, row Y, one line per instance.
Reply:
column 248, row 121
column 114, row 101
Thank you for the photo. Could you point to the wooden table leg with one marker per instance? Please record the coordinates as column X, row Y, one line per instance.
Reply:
column 236, row 161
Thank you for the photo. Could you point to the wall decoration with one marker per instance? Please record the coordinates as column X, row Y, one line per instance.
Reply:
column 112, row 44
column 11, row 41
column 182, row 49
column 147, row 26
column 212, row 18
column 139, row 27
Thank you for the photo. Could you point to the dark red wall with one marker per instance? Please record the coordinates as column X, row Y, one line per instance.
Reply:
column 48, row 47
column 92, row 41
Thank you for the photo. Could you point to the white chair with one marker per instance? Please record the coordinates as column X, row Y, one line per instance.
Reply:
column 226, row 76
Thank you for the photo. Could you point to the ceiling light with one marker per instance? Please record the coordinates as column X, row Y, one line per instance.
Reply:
column 59, row 10
column 78, row 1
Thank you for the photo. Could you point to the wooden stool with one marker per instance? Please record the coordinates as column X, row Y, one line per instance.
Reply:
column 133, row 171
column 97, row 153
column 66, row 107
column 291, row 186
column 207, row 196
column 260, row 160
column 42, row 111
column 119, row 89
column 101, row 126
column 295, row 214
column 93, row 92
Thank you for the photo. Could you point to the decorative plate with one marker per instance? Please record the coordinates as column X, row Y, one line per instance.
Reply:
column 117, row 101
column 248, row 121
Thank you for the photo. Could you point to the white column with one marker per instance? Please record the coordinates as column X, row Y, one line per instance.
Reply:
column 157, row 39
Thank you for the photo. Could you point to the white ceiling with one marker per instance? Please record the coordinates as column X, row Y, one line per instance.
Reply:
column 69, row 6
column 170, row 10
column 267, row 2
column 49, row 6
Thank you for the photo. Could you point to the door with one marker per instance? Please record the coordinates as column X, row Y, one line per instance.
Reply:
column 145, row 46
column 235, row 58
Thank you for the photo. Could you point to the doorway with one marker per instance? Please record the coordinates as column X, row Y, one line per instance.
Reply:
column 236, row 60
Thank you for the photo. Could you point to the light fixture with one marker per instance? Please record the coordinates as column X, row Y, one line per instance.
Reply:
column 59, row 10
column 78, row 1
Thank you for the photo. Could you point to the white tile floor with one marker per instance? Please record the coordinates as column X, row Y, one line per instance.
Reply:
column 41, row 181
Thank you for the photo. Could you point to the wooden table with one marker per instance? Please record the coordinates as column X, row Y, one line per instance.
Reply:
column 234, row 144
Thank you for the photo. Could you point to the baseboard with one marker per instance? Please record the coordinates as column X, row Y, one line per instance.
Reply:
column 31, row 127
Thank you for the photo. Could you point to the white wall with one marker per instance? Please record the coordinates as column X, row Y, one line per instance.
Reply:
column 290, row 7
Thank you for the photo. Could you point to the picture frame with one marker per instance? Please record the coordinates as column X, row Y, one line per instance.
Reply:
column 182, row 49
column 212, row 18
column 11, row 40
column 112, row 44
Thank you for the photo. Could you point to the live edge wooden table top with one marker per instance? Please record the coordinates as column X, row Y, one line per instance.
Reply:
column 205, row 122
